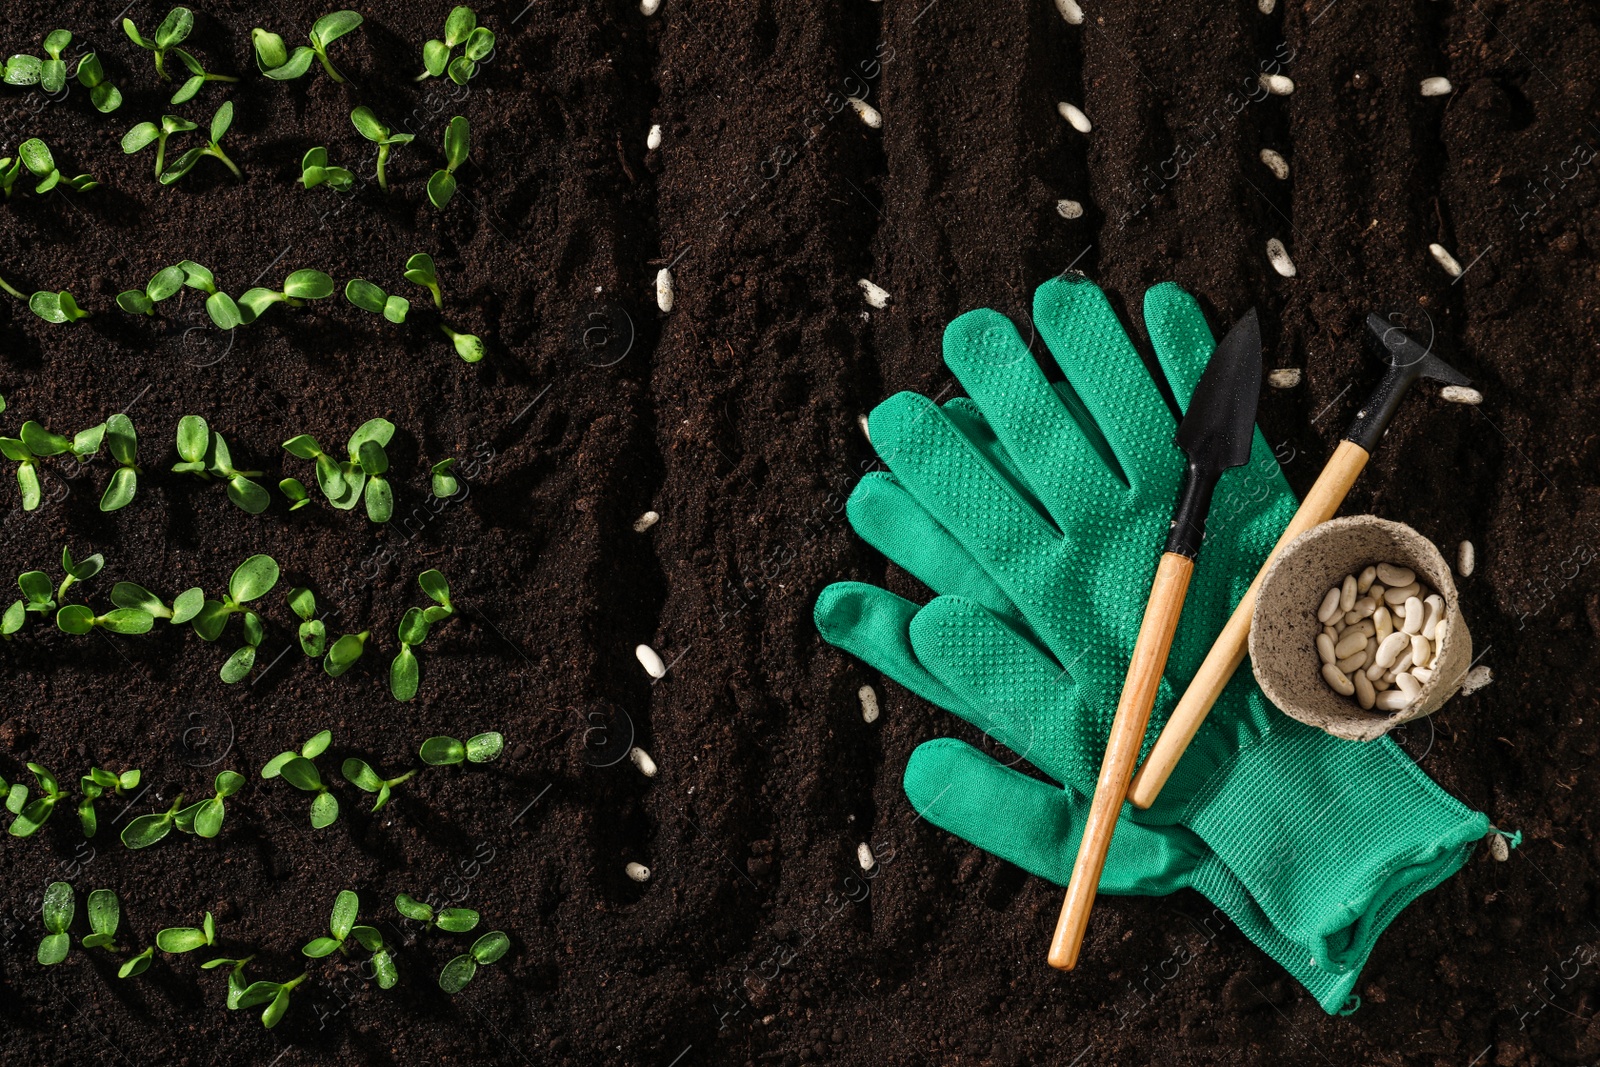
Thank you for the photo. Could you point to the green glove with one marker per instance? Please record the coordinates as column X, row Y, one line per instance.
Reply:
column 1038, row 512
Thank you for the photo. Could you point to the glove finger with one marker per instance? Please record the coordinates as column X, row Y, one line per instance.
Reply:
column 1087, row 340
column 873, row 625
column 1039, row 826
column 891, row 520
column 1050, row 434
column 1009, row 689
column 1180, row 336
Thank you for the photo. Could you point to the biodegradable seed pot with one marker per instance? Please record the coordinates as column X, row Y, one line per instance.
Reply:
column 1284, row 627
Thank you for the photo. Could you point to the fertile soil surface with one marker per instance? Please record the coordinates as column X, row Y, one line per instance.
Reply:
column 756, row 939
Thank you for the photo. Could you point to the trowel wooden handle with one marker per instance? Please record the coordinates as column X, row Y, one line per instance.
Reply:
column 1228, row 651
column 1122, row 749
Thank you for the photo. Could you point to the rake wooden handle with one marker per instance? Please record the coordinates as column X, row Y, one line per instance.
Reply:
column 1228, row 651
column 1122, row 749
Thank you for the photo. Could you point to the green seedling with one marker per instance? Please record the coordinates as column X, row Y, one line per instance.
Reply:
column 460, row 28
column 459, row 971
column 146, row 830
column 468, row 346
column 36, row 157
column 253, row 578
column 83, row 445
column 58, row 908
column 315, row 746
column 56, row 307
column 123, row 444
column 162, row 285
column 443, row 751
column 198, row 76
column 27, row 470
column 298, row 287
column 343, row 653
column 174, row 29
column 236, row 983
column 275, row 60
column 301, row 773
column 204, row 453
column 204, row 818
column 419, row 271
column 368, row 297
column 342, row 925
column 40, row 594
column 176, row 939
column 75, row 571
column 136, row 965
column 37, row 812
column 49, row 74
column 452, row 920
column 378, row 495
column 444, row 480
column 295, row 490
column 368, row 126
column 185, row 606
column 96, row 784
column 10, row 171
column 92, row 76
column 313, row 634
column 81, row 619
column 16, row 795
column 404, row 673
column 345, row 483
column 13, row 618
column 220, row 121
column 275, row 995
column 105, row 914
column 314, row 171
column 457, row 142
column 219, row 305
column 383, row 968
column 148, row 133
column 363, row 777
column 433, row 583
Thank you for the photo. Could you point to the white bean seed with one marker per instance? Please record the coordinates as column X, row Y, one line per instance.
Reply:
column 1333, row 631
column 1367, row 627
column 1377, row 590
column 1391, row 700
column 1461, row 394
column 1413, row 623
column 1389, row 649
column 1400, row 595
column 876, row 295
column 1275, row 163
column 864, row 856
column 1404, row 663
column 1436, row 87
column 868, row 113
column 641, row 759
column 649, row 7
column 1438, row 637
column 1336, row 678
column 1476, row 679
column 861, row 420
column 1365, row 579
column 1349, row 643
column 652, row 140
column 869, row 703
column 1366, row 696
column 1285, row 378
column 1466, row 559
column 638, row 872
column 1380, row 685
column 650, row 661
column 1278, row 256
column 1075, row 117
column 1330, row 606
column 645, row 521
column 1266, row 6
column 1277, row 84
column 1364, row 608
column 1407, row 685
column 1443, row 257
column 1382, row 622
column 1435, row 613
column 1391, row 575
column 1069, row 209
column 1422, row 674
column 1498, row 848
column 664, row 289
column 1353, row 662
column 1347, row 593
column 1070, row 11
column 1326, row 650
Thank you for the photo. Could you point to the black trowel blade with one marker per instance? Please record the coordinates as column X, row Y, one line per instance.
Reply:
column 1219, row 426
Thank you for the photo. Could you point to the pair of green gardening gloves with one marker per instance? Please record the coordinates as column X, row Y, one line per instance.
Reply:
column 1036, row 513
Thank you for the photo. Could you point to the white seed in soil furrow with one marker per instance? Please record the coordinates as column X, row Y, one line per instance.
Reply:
column 1326, row 651
column 1278, row 256
column 1275, row 163
column 1075, row 117
column 1366, row 695
column 1393, row 576
column 865, row 857
column 649, row 7
column 1476, row 679
column 867, row 112
column 1391, row 700
column 1266, row 7
column 1284, row 378
column 1498, row 847
column 1336, row 678
column 876, row 295
column 861, row 420
column 650, row 661
column 1461, row 394
column 1436, row 87
column 869, row 703
column 1442, row 256
column 638, row 872
column 641, row 759
column 1070, row 11
column 664, row 289
column 1277, row 84
column 652, row 140
column 1069, row 209
column 1466, row 559
column 1330, row 606
column 645, row 521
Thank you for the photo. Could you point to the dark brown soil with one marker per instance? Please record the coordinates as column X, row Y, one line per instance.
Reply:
column 735, row 418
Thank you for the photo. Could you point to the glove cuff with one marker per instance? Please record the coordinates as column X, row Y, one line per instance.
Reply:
column 1331, row 839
